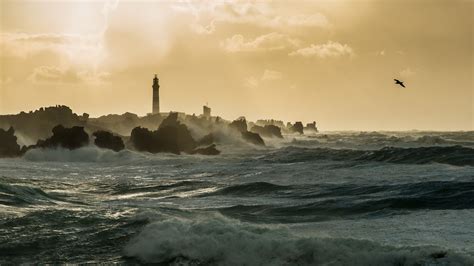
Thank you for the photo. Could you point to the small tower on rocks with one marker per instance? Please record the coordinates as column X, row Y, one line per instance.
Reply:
column 156, row 96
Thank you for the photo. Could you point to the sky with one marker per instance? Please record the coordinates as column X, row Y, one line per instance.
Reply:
column 332, row 62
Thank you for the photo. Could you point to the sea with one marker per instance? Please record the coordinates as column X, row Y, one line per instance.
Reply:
column 331, row 198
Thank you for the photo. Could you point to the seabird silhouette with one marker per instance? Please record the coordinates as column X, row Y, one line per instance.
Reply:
column 399, row 83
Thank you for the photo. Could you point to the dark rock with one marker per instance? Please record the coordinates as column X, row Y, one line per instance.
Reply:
column 311, row 127
column 171, row 136
column 69, row 138
column 38, row 124
column 297, row 128
column 206, row 140
column 439, row 254
column 253, row 138
column 106, row 140
column 8, row 143
column 239, row 124
column 268, row 131
column 209, row 150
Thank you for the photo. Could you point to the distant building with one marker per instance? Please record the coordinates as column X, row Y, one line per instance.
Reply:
column 156, row 96
column 206, row 111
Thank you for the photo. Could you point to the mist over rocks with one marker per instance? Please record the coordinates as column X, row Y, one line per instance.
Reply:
column 37, row 124
column 206, row 140
column 172, row 136
column 296, row 128
column 268, row 131
column 107, row 140
column 253, row 138
column 58, row 127
column 8, row 143
column 239, row 124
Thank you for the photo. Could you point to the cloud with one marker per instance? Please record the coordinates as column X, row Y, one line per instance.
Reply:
column 256, row 13
column 268, row 42
column 251, row 82
column 329, row 49
column 271, row 75
column 267, row 76
column 200, row 29
column 78, row 48
column 56, row 74
column 407, row 72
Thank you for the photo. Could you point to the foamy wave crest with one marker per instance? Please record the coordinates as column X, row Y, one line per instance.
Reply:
column 220, row 241
column 85, row 154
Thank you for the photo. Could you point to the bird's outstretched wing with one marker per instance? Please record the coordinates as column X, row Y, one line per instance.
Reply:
column 401, row 84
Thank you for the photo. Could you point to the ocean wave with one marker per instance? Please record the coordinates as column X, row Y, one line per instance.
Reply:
column 251, row 189
column 329, row 202
column 220, row 241
column 453, row 155
column 84, row 154
column 374, row 140
column 187, row 185
column 18, row 195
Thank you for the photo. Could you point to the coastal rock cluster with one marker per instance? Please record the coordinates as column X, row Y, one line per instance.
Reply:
column 58, row 127
column 107, row 140
column 8, row 143
column 171, row 136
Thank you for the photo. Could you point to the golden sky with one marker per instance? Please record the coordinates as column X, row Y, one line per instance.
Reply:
column 329, row 61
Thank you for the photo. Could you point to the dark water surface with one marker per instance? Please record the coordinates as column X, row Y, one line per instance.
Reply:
column 403, row 198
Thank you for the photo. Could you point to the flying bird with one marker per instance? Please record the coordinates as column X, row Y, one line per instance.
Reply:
column 399, row 83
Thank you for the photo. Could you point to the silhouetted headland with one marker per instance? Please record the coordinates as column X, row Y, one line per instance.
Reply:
column 59, row 127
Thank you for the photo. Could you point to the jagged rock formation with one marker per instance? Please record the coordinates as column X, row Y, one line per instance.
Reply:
column 311, row 127
column 297, row 128
column 253, row 138
column 8, row 144
column 268, row 131
column 107, row 140
column 239, row 124
column 68, row 138
column 171, row 136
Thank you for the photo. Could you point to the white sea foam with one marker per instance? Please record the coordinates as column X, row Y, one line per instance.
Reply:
column 221, row 241
column 84, row 154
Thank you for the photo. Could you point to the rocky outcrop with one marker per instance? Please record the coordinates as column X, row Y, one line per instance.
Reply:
column 253, row 138
column 107, row 140
column 68, row 138
column 171, row 136
column 297, row 128
column 239, row 124
column 209, row 150
column 311, row 127
column 8, row 143
column 38, row 124
column 268, row 131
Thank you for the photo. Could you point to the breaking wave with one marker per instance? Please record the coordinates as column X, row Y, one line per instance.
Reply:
column 85, row 154
column 453, row 155
column 221, row 241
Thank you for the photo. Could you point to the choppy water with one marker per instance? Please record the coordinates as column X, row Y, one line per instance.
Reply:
column 330, row 199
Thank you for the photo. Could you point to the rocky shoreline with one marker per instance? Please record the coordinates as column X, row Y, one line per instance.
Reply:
column 59, row 127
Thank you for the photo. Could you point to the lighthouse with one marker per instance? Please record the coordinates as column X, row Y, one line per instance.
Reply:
column 156, row 96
